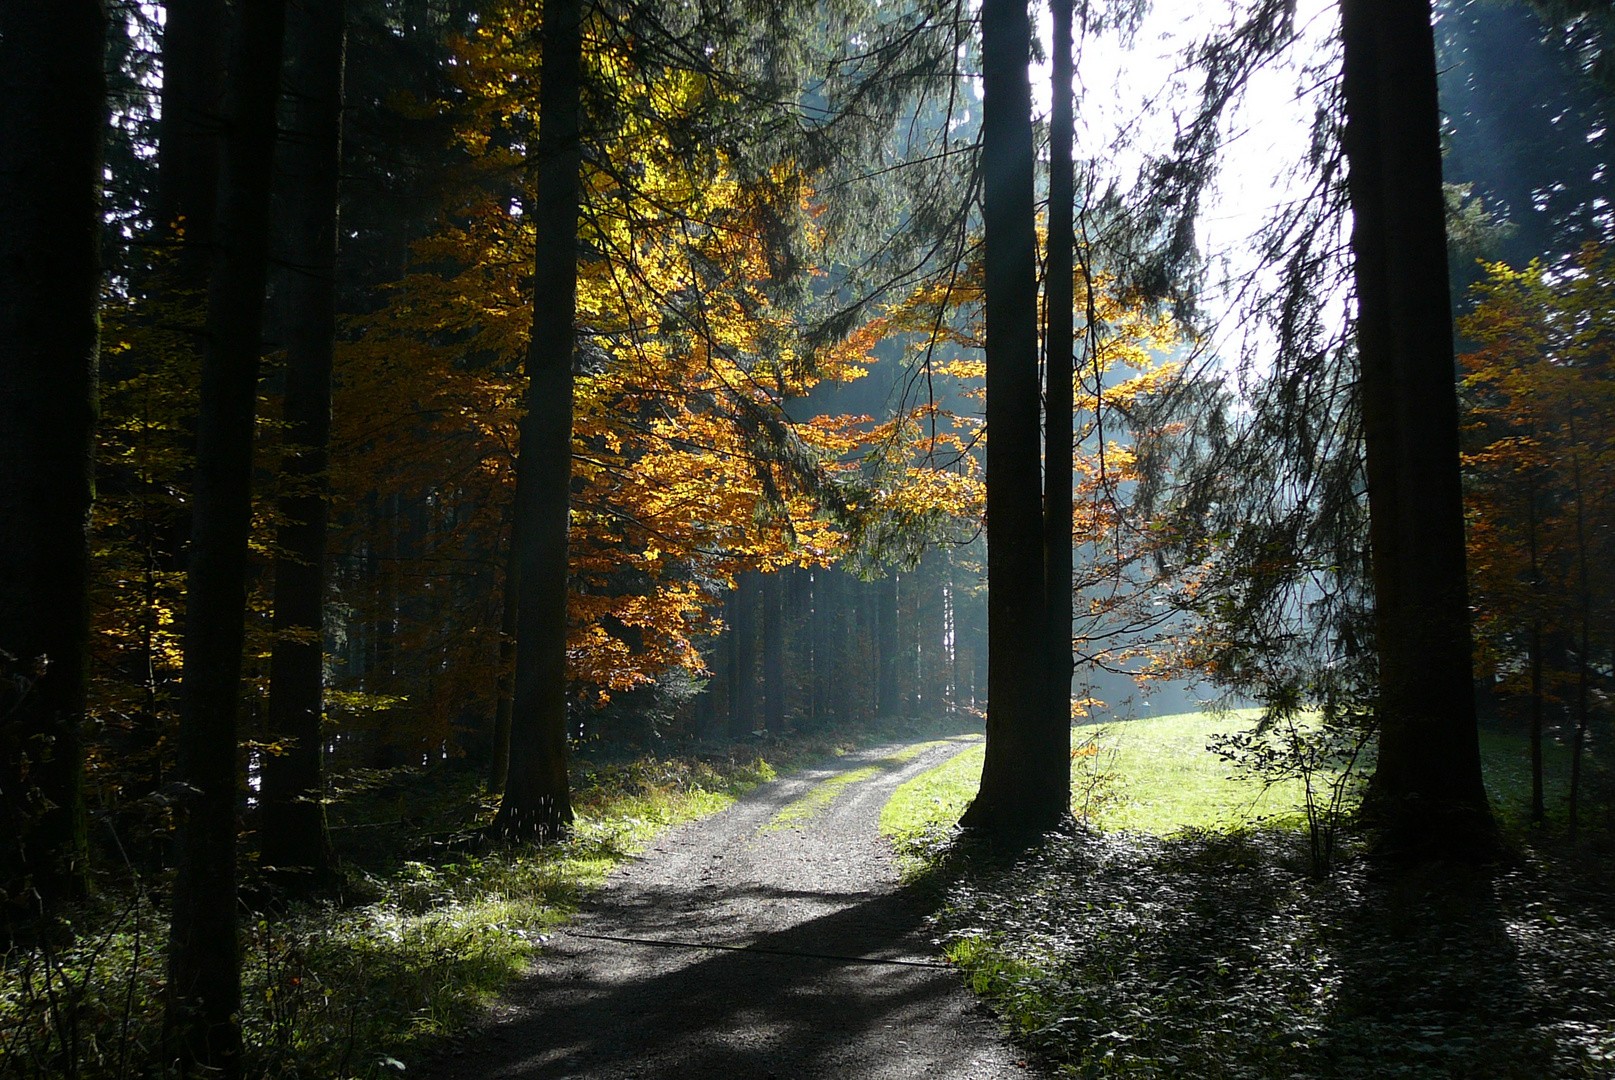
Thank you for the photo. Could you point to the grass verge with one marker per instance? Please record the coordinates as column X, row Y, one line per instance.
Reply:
column 425, row 940
column 1172, row 939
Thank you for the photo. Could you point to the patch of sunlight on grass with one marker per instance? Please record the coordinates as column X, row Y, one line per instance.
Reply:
column 1164, row 778
column 1160, row 778
column 818, row 798
column 935, row 798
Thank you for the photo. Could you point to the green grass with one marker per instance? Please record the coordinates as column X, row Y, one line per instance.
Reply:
column 430, row 930
column 817, row 799
column 1156, row 776
column 934, row 799
column 1185, row 937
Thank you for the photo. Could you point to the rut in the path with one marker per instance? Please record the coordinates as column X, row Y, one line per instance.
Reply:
column 771, row 941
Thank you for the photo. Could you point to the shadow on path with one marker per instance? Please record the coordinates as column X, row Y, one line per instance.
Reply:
column 807, row 906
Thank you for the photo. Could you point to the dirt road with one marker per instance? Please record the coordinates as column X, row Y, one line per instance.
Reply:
column 770, row 942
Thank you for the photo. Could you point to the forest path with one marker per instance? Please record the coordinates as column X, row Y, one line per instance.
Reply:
column 768, row 916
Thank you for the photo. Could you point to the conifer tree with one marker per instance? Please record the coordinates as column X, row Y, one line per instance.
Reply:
column 1058, row 403
column 537, row 801
column 293, row 830
column 204, row 971
column 1426, row 795
column 52, row 127
column 1016, row 795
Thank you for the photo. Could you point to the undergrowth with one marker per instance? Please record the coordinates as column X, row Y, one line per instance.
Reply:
column 1216, row 954
column 430, row 928
column 1215, row 951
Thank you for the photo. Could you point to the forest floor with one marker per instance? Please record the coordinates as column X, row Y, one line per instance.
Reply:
column 1183, row 934
column 772, row 941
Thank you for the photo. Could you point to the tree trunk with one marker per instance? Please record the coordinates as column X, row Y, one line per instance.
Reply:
column 499, row 768
column 773, row 652
column 886, row 696
column 292, row 828
column 743, row 657
column 1583, row 654
column 1538, row 803
column 204, row 971
column 51, row 133
column 537, row 802
column 1016, row 796
column 1426, row 797
column 1059, row 363
column 188, row 133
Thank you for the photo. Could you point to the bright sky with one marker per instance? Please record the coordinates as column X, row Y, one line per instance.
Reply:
column 1130, row 100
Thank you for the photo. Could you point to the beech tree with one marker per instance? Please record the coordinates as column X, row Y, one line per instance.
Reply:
column 1426, row 796
column 52, row 127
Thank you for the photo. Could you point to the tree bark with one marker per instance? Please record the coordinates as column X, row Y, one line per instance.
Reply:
column 293, row 831
column 204, row 970
column 773, row 652
column 743, row 657
column 1583, row 654
column 1534, row 655
column 188, row 133
column 888, row 702
column 499, row 768
column 1059, row 364
column 537, row 803
column 51, row 134
column 1426, row 797
column 1016, row 796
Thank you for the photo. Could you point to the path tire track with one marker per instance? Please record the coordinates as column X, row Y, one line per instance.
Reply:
column 795, row 908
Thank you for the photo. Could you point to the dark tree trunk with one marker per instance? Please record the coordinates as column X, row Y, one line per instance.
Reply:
column 887, row 697
column 743, row 657
column 1583, row 654
column 537, row 801
column 1016, row 796
column 499, row 768
column 1534, row 656
column 204, row 971
column 773, row 652
column 1058, row 449
column 1426, row 797
column 292, row 827
column 52, row 127
column 188, row 133
column 825, row 640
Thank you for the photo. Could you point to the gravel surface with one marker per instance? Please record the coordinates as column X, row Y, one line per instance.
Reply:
column 767, row 916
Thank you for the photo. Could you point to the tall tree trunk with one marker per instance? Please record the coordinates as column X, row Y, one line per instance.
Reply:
column 204, row 970
column 295, row 840
column 1059, row 364
column 1426, row 797
column 52, row 128
column 887, row 701
column 773, row 652
column 537, row 801
column 1583, row 654
column 499, row 768
column 743, row 657
column 188, row 133
column 1015, row 795
column 1534, row 651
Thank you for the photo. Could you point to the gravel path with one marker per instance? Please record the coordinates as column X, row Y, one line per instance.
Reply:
column 777, row 906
